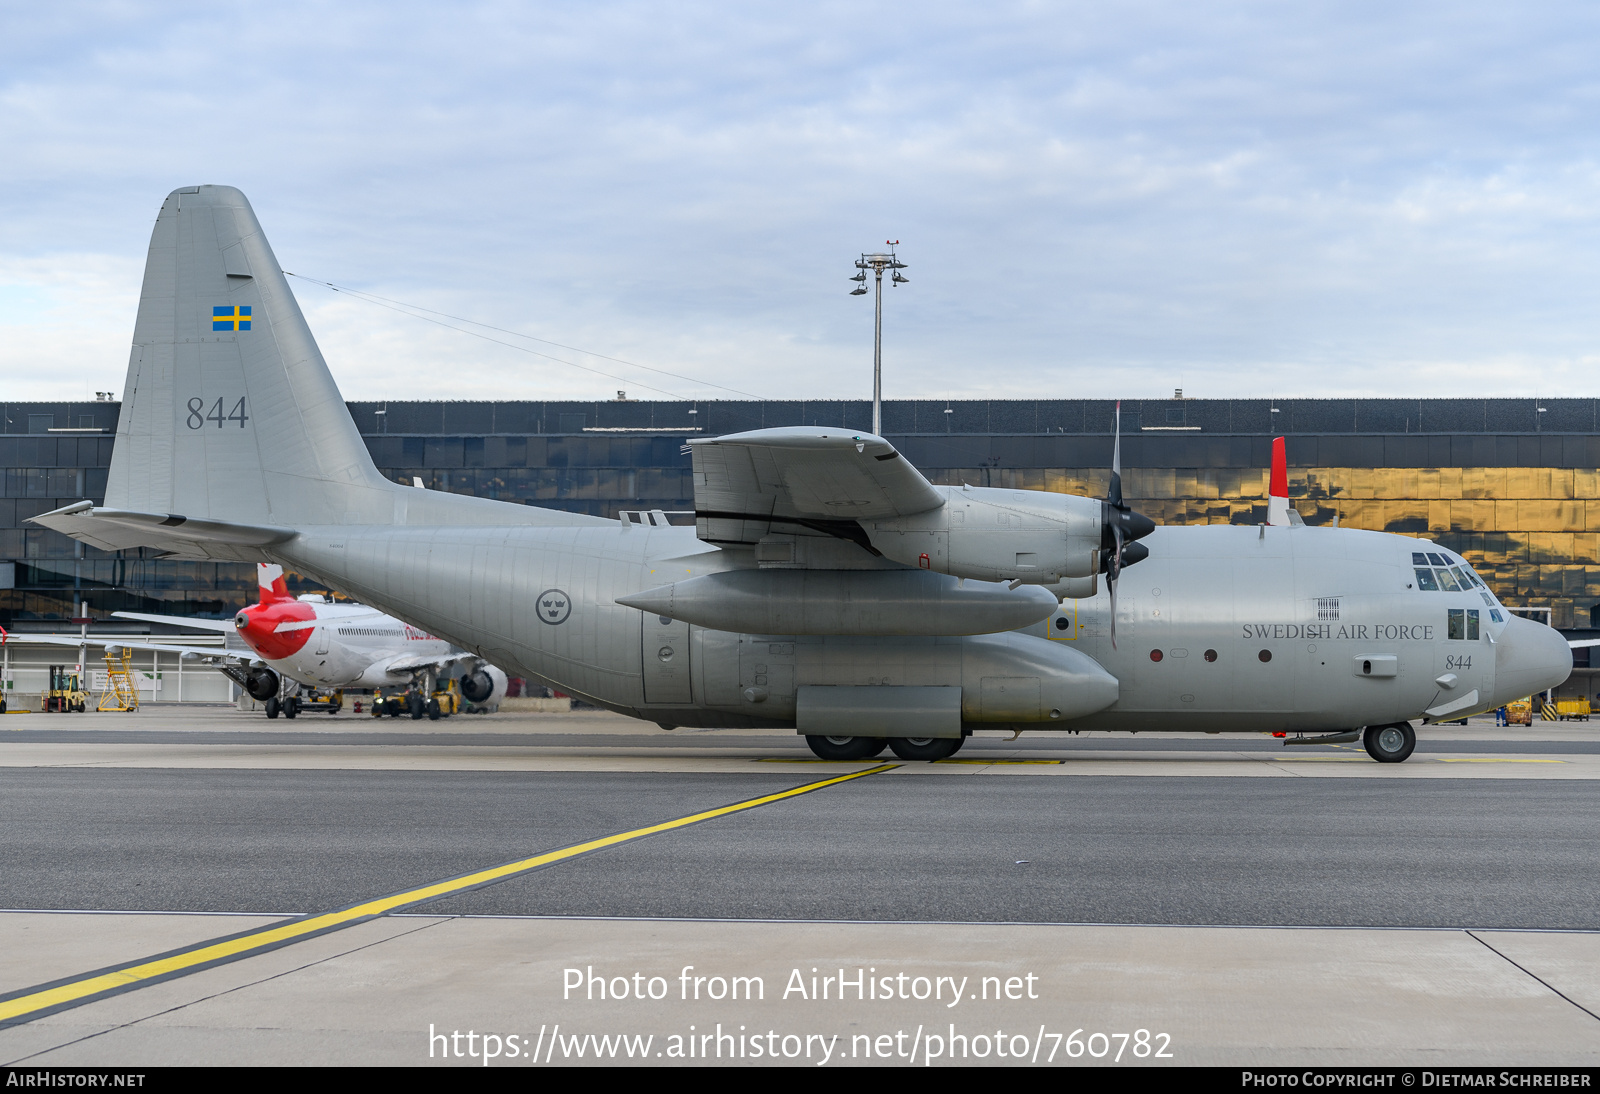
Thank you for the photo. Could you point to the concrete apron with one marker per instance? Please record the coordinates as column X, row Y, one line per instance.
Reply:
column 373, row 993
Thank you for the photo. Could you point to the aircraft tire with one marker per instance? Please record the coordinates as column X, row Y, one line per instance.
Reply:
column 926, row 748
column 845, row 748
column 291, row 706
column 272, row 707
column 1390, row 744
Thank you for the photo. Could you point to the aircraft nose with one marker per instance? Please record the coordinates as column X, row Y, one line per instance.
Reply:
column 1528, row 658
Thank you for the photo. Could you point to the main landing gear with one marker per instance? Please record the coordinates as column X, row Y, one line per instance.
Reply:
column 864, row 748
column 1390, row 744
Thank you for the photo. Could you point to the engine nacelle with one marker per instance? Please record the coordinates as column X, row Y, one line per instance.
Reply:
column 998, row 535
column 262, row 684
column 484, row 688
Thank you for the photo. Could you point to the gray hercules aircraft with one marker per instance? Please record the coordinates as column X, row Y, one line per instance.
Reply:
column 826, row 585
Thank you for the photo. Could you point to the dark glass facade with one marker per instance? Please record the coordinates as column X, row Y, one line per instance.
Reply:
column 1514, row 485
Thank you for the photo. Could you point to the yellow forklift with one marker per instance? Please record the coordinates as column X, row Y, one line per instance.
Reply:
column 65, row 692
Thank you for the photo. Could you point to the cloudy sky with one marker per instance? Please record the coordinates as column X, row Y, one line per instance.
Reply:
column 1092, row 199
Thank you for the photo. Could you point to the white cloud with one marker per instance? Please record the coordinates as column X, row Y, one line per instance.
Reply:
column 1331, row 199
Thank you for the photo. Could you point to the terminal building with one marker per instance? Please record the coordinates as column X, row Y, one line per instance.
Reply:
column 1511, row 484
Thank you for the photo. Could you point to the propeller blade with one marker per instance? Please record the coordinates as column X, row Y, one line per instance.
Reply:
column 1113, row 572
column 1114, row 494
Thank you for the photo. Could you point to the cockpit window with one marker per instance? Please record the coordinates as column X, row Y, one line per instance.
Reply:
column 1447, row 580
column 1438, row 560
column 1425, row 580
column 1418, row 558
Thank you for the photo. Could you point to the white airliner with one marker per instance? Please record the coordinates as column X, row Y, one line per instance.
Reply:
column 311, row 641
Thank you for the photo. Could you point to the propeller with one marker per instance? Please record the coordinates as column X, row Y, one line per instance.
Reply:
column 1121, row 528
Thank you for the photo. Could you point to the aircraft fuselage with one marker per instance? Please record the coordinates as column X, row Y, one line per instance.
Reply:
column 1275, row 629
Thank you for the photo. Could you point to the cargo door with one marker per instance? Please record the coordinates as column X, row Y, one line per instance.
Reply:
column 665, row 654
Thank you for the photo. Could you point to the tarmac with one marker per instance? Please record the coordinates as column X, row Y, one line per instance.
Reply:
column 202, row 885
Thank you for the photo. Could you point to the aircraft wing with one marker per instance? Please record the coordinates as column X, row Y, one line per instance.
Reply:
column 422, row 661
column 175, row 535
column 209, row 653
column 797, row 479
column 221, row 626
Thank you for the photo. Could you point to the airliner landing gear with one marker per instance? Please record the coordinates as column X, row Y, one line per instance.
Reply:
column 925, row 748
column 846, row 748
column 272, row 707
column 1390, row 744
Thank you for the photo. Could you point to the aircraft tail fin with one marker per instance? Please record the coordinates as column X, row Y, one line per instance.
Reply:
column 229, row 411
column 231, row 424
column 1278, row 511
column 273, row 588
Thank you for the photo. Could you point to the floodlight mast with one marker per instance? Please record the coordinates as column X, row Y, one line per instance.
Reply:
column 877, row 263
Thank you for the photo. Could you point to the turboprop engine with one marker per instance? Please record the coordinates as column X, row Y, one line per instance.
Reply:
column 1000, row 535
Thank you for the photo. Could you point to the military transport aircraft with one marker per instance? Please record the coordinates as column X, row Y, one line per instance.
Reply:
column 826, row 585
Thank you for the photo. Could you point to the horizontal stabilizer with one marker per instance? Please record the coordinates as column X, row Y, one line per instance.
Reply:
column 220, row 626
column 185, row 537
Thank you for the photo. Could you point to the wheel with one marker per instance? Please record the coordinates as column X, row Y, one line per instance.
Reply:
column 433, row 710
column 925, row 748
column 414, row 704
column 1390, row 744
column 272, row 707
column 392, row 707
column 845, row 748
column 291, row 706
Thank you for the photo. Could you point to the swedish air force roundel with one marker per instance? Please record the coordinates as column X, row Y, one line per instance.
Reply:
column 554, row 606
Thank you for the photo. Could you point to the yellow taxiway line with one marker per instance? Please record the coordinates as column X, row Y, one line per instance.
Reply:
column 35, row 1002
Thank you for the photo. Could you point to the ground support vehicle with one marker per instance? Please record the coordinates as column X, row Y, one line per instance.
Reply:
column 442, row 703
column 1519, row 713
column 1572, row 710
column 64, row 693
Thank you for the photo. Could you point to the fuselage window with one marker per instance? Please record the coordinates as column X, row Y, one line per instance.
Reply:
column 1462, row 624
column 1425, row 580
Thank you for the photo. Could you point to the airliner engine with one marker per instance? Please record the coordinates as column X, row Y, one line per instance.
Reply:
column 262, row 684
column 485, row 687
